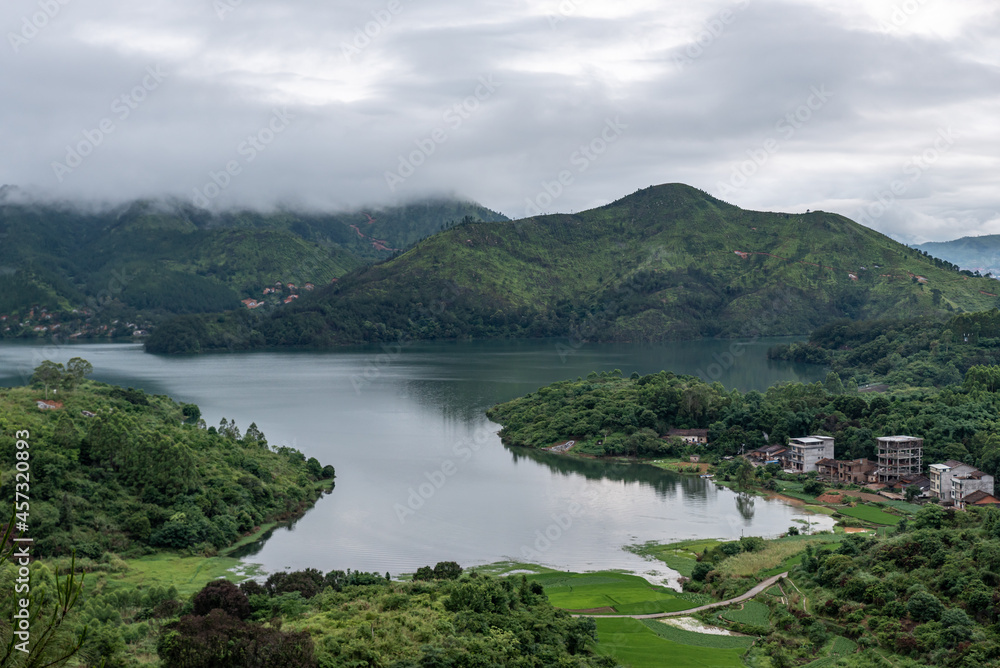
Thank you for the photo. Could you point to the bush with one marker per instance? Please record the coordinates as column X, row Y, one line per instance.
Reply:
column 700, row 570
column 222, row 595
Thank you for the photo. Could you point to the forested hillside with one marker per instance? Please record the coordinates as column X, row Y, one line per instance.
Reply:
column 917, row 352
column 118, row 470
column 667, row 262
column 72, row 271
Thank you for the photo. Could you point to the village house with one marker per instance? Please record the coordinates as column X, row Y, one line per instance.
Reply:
column 853, row 471
column 965, row 484
column 805, row 451
column 693, row 436
column 979, row 498
column 942, row 475
column 769, row 454
column 310, row 286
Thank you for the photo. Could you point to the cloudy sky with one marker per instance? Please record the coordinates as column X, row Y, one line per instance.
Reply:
column 883, row 110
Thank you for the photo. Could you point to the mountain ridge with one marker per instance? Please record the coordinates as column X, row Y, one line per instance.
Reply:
column 665, row 262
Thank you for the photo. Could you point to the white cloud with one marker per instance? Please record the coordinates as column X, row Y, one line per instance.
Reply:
column 698, row 85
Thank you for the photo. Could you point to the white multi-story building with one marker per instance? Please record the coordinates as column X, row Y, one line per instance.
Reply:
column 805, row 451
column 942, row 475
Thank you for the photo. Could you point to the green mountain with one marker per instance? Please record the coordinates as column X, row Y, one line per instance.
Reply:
column 667, row 262
column 85, row 270
column 981, row 254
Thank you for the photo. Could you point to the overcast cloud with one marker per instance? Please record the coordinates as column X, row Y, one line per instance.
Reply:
column 785, row 106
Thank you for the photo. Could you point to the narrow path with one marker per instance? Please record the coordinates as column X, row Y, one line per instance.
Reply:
column 680, row 613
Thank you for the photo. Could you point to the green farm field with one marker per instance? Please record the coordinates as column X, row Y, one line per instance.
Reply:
column 625, row 594
column 870, row 514
column 635, row 644
column 753, row 612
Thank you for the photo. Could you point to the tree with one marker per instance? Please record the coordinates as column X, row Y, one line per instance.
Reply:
column 930, row 517
column 77, row 369
column 924, row 607
column 833, row 383
column 912, row 492
column 447, row 570
column 813, row 487
column 47, row 373
column 700, row 571
column 222, row 595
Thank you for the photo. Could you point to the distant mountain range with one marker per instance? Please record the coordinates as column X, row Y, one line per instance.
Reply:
column 980, row 254
column 69, row 268
column 666, row 262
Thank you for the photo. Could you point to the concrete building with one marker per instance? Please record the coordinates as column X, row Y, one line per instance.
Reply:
column 965, row 484
column 899, row 457
column 805, row 452
column 941, row 476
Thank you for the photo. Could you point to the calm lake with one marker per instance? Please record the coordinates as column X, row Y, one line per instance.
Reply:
column 422, row 476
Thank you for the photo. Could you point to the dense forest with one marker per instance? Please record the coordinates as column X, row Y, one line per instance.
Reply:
column 117, row 470
column 668, row 262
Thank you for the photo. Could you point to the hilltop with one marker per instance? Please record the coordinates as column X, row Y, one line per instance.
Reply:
column 667, row 262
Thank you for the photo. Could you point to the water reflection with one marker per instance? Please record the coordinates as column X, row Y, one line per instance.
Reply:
column 744, row 504
column 666, row 484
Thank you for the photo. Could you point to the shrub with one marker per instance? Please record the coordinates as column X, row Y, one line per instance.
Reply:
column 222, row 595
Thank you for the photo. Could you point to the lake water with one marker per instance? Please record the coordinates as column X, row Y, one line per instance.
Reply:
column 422, row 476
